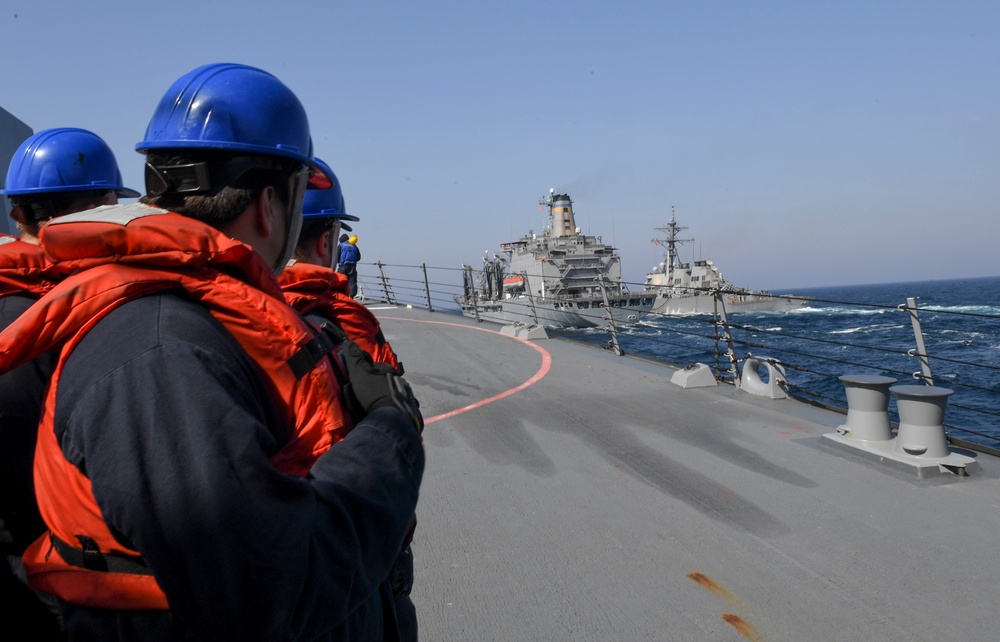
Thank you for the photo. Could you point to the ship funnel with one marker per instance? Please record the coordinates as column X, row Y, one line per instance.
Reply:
column 561, row 216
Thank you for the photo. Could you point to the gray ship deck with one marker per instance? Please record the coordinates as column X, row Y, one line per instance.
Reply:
column 602, row 502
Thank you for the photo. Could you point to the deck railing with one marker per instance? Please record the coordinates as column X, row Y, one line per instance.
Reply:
column 724, row 342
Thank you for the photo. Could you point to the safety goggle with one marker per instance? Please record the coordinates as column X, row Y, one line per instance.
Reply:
column 205, row 176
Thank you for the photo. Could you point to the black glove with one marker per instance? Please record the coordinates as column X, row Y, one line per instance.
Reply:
column 374, row 385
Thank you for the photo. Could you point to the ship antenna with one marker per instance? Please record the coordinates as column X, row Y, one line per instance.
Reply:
column 546, row 201
column 671, row 229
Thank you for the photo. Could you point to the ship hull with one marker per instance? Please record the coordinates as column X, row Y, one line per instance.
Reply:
column 733, row 303
column 559, row 313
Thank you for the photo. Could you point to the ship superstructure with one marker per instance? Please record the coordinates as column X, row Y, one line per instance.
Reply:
column 699, row 287
column 560, row 278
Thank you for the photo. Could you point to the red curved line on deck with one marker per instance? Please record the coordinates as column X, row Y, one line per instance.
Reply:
column 542, row 370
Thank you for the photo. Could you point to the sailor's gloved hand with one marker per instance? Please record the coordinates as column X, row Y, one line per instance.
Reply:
column 374, row 385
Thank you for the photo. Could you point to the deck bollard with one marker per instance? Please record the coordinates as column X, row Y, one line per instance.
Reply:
column 921, row 420
column 697, row 375
column 751, row 382
column 867, row 406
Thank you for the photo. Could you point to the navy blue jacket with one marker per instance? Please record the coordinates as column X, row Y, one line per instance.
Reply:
column 21, row 394
column 174, row 428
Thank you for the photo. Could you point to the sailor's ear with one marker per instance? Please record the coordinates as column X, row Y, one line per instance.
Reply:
column 324, row 244
column 266, row 212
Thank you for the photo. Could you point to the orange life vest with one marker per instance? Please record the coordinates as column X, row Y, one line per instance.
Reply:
column 313, row 289
column 23, row 268
column 115, row 254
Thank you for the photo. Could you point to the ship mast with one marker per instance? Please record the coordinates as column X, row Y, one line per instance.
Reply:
column 672, row 228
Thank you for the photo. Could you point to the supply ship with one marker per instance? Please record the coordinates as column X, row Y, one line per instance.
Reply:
column 698, row 287
column 561, row 279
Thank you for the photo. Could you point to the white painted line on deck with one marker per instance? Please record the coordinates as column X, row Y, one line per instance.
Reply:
column 542, row 370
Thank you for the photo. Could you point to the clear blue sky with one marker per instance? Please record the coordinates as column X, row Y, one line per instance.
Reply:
column 802, row 143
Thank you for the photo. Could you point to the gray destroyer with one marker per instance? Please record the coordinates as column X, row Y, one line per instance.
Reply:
column 695, row 288
column 560, row 278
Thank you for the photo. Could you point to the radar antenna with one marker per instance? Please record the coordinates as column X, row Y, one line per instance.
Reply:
column 671, row 228
column 546, row 201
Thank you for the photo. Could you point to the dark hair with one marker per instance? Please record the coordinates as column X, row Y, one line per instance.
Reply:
column 53, row 204
column 312, row 228
column 36, row 209
column 343, row 237
column 225, row 201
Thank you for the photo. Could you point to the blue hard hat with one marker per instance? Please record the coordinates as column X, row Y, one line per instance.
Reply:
column 64, row 159
column 327, row 203
column 234, row 108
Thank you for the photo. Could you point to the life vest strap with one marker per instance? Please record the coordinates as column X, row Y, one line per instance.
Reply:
column 336, row 336
column 310, row 354
column 91, row 558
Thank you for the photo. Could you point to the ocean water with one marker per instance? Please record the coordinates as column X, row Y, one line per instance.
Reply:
column 856, row 330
